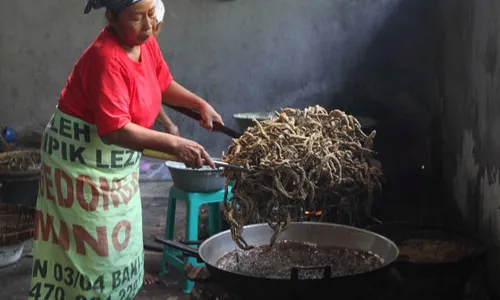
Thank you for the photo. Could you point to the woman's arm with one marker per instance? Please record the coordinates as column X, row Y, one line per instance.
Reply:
column 163, row 119
column 167, row 123
column 138, row 138
column 177, row 95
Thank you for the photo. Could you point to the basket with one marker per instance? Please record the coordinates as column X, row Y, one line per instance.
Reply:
column 20, row 164
column 16, row 223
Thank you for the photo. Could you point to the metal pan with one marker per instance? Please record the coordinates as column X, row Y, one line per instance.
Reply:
column 322, row 234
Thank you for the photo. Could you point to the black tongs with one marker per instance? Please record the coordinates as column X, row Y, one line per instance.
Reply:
column 217, row 126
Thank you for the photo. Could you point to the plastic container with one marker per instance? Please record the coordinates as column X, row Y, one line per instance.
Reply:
column 9, row 134
column 202, row 180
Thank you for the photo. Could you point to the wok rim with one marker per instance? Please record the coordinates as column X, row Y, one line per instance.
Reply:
column 387, row 263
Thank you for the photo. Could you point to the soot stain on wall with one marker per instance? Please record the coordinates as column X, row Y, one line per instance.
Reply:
column 470, row 114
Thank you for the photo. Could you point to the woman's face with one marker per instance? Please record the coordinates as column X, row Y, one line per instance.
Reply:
column 135, row 24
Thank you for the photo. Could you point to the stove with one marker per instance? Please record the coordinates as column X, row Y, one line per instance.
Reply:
column 207, row 289
column 204, row 288
column 211, row 291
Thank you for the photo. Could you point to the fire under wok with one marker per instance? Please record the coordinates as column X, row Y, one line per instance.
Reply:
column 308, row 261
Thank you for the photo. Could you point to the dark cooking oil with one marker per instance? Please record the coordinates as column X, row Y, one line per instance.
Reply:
column 278, row 260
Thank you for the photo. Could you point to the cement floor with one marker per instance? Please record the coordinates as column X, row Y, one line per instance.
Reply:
column 15, row 279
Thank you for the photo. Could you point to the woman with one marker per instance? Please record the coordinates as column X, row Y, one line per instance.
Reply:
column 88, row 227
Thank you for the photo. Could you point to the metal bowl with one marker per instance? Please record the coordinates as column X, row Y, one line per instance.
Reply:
column 203, row 180
column 244, row 120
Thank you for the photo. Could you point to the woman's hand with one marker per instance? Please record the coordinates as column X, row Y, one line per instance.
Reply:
column 209, row 116
column 192, row 154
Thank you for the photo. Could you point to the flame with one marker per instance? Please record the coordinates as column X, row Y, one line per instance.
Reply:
column 314, row 213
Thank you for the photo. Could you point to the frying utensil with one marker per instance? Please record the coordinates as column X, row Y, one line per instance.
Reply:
column 216, row 126
column 171, row 157
column 322, row 234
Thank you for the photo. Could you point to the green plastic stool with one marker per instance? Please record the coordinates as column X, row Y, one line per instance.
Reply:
column 193, row 203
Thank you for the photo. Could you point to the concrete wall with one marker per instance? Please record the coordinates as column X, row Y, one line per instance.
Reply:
column 240, row 55
column 470, row 111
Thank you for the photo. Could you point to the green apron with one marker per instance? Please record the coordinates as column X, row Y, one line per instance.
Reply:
column 88, row 227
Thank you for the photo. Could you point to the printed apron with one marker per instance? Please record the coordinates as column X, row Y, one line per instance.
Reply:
column 88, row 227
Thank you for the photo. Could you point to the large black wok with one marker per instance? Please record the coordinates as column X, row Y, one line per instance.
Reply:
column 434, row 280
column 356, row 286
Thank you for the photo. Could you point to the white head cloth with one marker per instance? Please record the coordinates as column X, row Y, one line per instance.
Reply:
column 160, row 10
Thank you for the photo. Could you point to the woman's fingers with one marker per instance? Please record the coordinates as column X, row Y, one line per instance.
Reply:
column 199, row 161
column 218, row 119
column 189, row 164
column 206, row 125
column 207, row 158
column 194, row 155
